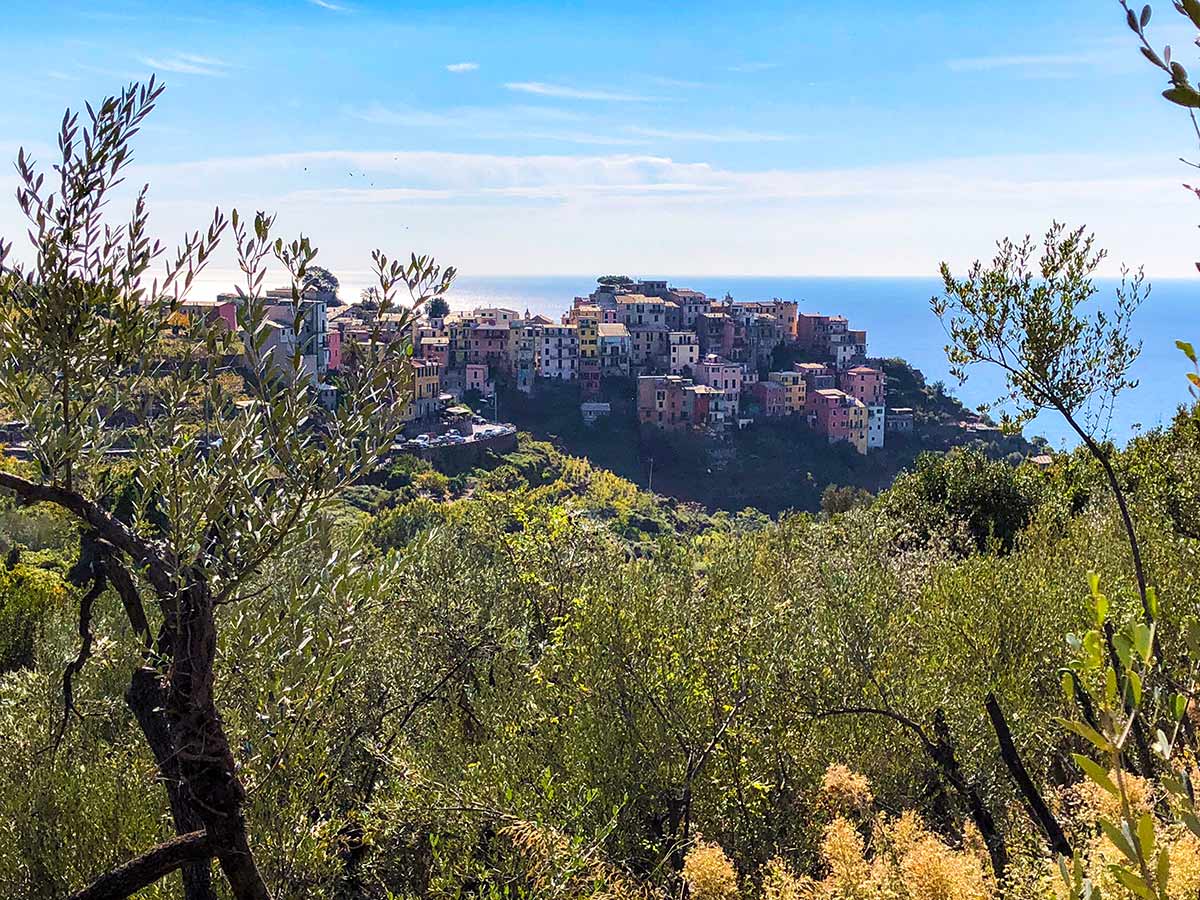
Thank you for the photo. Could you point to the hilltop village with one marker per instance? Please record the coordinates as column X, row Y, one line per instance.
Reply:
column 700, row 363
column 732, row 405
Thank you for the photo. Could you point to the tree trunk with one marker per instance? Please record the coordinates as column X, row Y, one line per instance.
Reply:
column 156, row 863
column 146, row 698
column 202, row 748
column 943, row 753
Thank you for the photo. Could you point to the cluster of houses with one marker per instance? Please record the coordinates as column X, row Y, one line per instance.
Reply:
column 700, row 363
column 288, row 330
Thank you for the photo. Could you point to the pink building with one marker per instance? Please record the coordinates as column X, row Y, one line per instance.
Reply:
column 477, row 379
column 720, row 373
column 220, row 309
column 335, row 350
column 663, row 401
column 771, row 397
column 864, row 383
column 487, row 345
column 840, row 417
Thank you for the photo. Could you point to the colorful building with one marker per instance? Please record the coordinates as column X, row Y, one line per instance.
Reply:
column 724, row 375
column 587, row 323
column 524, row 342
column 817, row 377
column 706, row 406
column 840, row 417
column 685, row 351
column 795, row 390
column 477, row 379
column 427, row 388
column 868, row 385
column 691, row 305
column 771, row 397
column 487, row 345
column 715, row 331
column 495, row 315
column 560, row 352
column 222, row 310
column 649, row 349
column 864, row 383
column 616, row 349
column 637, row 309
column 663, row 401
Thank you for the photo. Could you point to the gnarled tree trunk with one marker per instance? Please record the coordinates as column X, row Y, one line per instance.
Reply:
column 205, row 760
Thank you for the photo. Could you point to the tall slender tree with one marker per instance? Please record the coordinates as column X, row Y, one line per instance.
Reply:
column 1037, row 320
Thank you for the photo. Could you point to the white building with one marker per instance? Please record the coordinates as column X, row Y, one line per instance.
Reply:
column 685, row 351
column 560, row 352
column 876, row 425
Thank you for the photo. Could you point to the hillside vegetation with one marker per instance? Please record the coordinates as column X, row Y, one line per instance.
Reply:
column 543, row 681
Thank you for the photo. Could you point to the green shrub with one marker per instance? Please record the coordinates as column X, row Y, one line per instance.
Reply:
column 991, row 499
column 27, row 594
column 397, row 527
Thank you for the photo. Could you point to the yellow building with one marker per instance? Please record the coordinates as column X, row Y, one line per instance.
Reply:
column 588, row 320
column 859, row 416
column 427, row 387
column 795, row 390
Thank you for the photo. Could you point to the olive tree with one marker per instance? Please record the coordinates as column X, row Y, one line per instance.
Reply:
column 95, row 358
column 1037, row 321
column 438, row 308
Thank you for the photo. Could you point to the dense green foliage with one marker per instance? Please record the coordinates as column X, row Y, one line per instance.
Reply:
column 992, row 500
column 541, row 657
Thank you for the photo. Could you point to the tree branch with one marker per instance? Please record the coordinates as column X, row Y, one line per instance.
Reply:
column 104, row 523
column 941, row 751
column 75, row 666
column 1034, row 804
column 908, row 723
column 123, row 584
column 143, row 871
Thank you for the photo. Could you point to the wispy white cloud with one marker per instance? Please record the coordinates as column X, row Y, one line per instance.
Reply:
column 332, row 7
column 462, row 67
column 1027, row 61
column 655, row 212
column 406, row 117
column 542, row 89
column 753, row 66
column 731, row 136
column 187, row 64
column 1058, row 181
column 524, row 122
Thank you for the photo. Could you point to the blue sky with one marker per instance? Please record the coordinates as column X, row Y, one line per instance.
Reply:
column 706, row 138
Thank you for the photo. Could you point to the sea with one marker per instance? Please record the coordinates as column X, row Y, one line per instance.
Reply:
column 896, row 315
